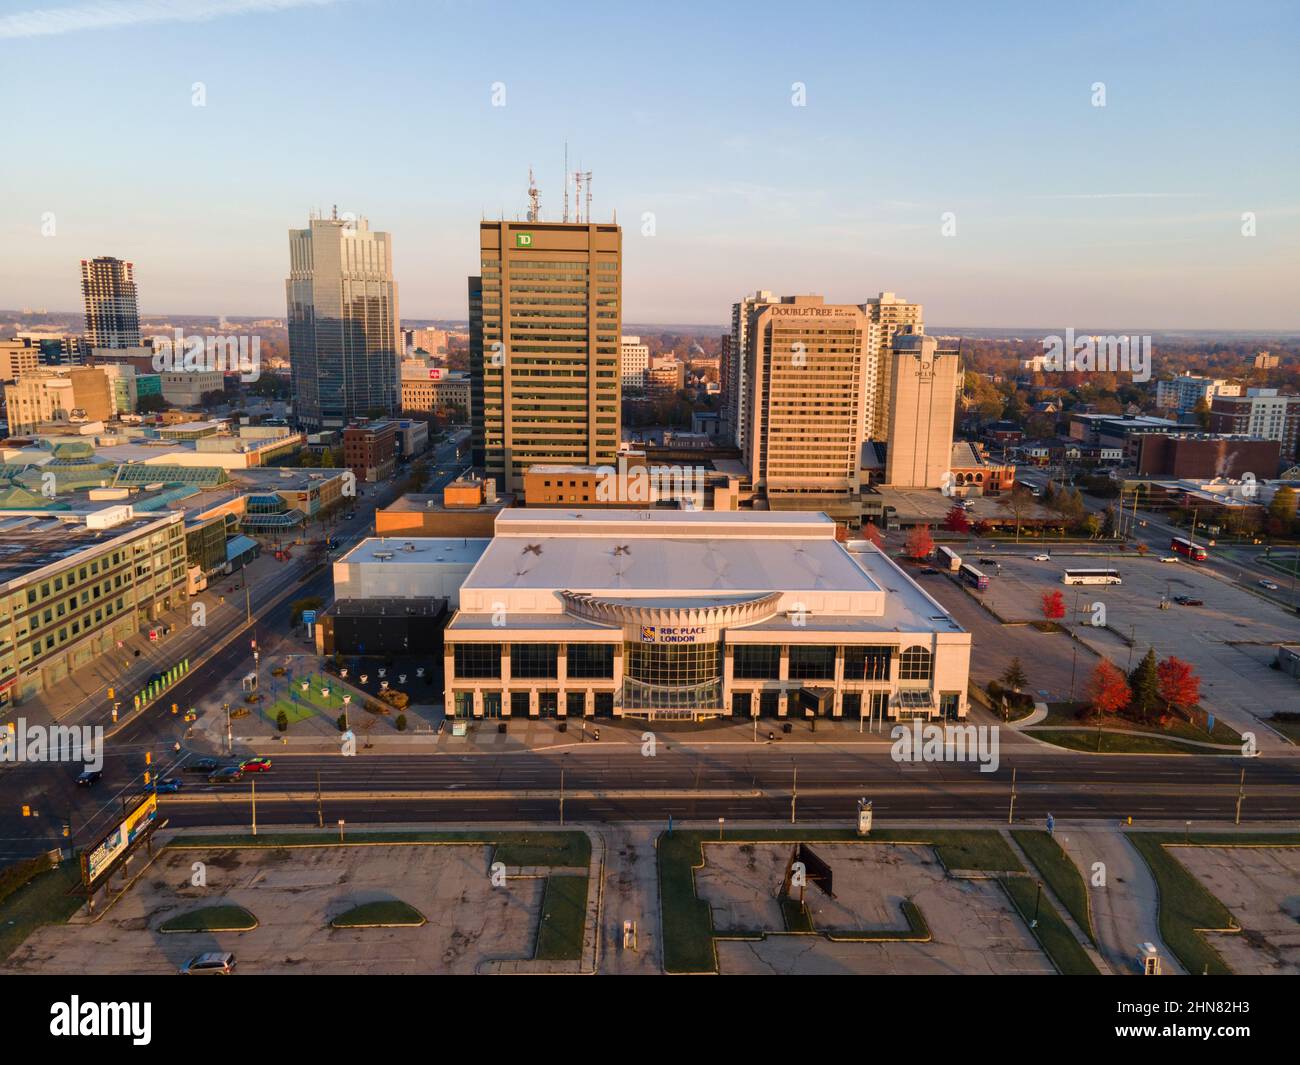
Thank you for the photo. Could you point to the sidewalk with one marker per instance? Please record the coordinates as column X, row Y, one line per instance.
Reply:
column 82, row 696
column 1126, row 910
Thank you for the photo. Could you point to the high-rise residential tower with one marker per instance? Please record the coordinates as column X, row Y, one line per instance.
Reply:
column 806, row 402
column 112, row 308
column 545, row 346
column 344, row 331
column 888, row 315
column 735, row 386
column 922, row 409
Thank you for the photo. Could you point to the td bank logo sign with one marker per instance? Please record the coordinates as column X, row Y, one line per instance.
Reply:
column 523, row 240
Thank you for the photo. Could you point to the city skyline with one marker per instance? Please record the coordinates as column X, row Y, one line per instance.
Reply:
column 1060, row 211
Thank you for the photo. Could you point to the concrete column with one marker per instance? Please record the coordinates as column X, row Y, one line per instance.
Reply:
column 728, row 674
column 837, row 708
column 783, row 675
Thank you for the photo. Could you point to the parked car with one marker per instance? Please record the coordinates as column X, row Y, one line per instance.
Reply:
column 255, row 765
column 1270, row 585
column 214, row 963
column 1042, row 558
column 203, row 765
column 169, row 785
column 929, row 571
column 1169, row 558
column 1187, row 600
column 88, row 778
column 227, row 774
column 991, row 562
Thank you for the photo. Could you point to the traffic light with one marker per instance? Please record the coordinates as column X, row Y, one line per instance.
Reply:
column 148, row 757
column 27, row 810
column 110, row 693
column 146, row 777
column 175, row 709
column 67, row 829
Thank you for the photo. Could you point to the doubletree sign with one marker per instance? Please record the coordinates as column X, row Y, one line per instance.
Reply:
column 523, row 240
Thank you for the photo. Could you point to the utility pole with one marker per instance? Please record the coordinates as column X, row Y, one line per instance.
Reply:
column 1241, row 795
column 320, row 815
column 1011, row 813
column 254, row 784
column 794, row 792
column 561, row 796
column 229, row 737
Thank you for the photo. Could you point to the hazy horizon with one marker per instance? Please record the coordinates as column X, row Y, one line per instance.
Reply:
column 982, row 120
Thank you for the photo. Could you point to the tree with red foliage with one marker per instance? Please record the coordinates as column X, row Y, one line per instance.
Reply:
column 919, row 543
column 872, row 533
column 1179, row 685
column 1108, row 690
column 1053, row 606
column 981, row 528
column 956, row 521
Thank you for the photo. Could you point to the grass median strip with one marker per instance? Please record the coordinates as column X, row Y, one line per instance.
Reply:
column 227, row 918
column 1060, row 872
column 564, row 917
column 1052, row 933
column 1187, row 907
column 1118, row 743
column 383, row 913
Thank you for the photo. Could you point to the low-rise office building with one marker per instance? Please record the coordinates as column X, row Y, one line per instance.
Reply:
column 417, row 567
column 72, row 585
column 370, row 450
column 686, row 615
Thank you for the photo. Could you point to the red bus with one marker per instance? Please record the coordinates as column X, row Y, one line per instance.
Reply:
column 1181, row 546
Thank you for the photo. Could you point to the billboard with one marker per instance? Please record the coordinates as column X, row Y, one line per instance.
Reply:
column 95, row 862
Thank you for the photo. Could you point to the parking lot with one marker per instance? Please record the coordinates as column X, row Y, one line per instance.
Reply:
column 973, row 925
column 294, row 894
column 1261, row 886
column 1227, row 640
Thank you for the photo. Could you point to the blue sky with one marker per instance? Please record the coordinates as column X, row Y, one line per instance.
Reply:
column 1066, row 214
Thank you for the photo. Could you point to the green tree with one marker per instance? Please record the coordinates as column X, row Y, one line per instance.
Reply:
column 1282, row 506
column 282, row 721
column 1014, row 675
column 1144, row 683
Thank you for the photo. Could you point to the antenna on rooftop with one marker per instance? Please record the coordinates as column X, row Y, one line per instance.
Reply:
column 566, row 181
column 534, row 197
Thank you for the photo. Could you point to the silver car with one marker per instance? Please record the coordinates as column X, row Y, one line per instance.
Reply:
column 214, row 963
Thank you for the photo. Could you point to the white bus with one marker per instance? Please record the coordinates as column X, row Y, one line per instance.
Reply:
column 1092, row 576
column 948, row 559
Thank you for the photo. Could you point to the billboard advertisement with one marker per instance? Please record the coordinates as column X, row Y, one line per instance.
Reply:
column 95, row 861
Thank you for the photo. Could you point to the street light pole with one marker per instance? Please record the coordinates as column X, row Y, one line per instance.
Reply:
column 794, row 792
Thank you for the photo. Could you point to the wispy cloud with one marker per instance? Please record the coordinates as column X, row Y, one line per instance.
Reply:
column 52, row 21
column 1120, row 196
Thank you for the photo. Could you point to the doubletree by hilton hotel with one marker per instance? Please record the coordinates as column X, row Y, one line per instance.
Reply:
column 681, row 614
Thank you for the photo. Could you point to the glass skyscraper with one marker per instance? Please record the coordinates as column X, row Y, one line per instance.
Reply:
column 344, row 338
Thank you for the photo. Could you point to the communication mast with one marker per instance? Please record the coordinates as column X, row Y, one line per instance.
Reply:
column 581, row 204
column 534, row 199
column 566, row 181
